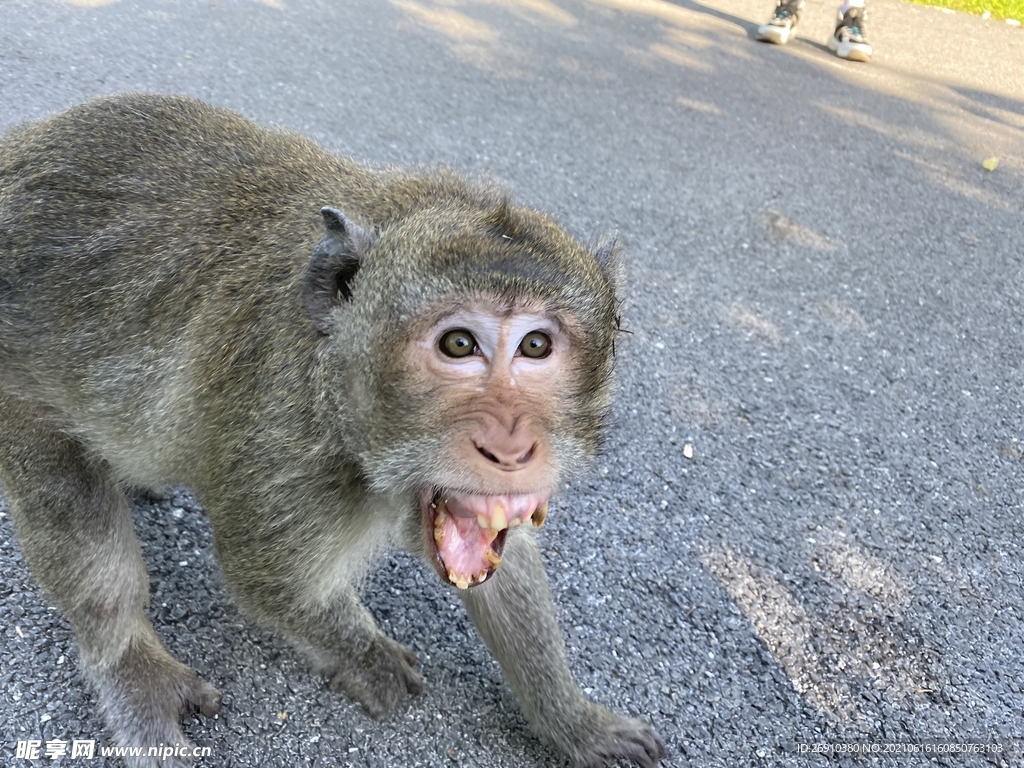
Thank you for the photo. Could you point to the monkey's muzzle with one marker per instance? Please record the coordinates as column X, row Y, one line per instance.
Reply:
column 467, row 532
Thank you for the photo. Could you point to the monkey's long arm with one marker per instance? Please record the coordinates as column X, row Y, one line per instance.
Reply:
column 515, row 614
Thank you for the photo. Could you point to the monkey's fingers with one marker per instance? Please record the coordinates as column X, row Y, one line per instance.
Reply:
column 195, row 694
column 381, row 679
column 615, row 738
column 640, row 745
column 413, row 681
column 145, row 701
column 209, row 700
column 410, row 657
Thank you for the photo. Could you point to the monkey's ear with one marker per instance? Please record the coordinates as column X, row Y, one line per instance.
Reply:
column 609, row 259
column 333, row 266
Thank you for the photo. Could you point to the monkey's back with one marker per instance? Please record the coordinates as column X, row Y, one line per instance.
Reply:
column 151, row 249
column 131, row 196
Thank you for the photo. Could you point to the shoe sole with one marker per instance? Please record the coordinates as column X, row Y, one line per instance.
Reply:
column 850, row 51
column 770, row 33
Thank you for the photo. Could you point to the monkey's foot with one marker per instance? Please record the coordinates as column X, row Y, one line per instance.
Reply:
column 380, row 678
column 466, row 532
column 145, row 695
column 602, row 737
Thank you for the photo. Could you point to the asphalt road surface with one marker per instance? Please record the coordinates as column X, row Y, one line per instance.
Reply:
column 806, row 527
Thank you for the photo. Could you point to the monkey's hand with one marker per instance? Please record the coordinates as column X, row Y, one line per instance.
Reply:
column 380, row 678
column 599, row 737
column 145, row 695
column 346, row 646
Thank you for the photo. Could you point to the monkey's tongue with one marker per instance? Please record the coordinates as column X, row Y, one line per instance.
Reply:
column 469, row 531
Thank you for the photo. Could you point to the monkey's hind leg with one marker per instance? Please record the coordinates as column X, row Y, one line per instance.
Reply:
column 75, row 529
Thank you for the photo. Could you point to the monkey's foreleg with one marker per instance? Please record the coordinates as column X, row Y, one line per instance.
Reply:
column 74, row 525
column 344, row 644
column 515, row 614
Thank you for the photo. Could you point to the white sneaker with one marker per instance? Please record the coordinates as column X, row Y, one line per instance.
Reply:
column 850, row 41
column 783, row 22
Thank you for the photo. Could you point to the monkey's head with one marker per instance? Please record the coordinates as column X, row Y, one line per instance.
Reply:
column 468, row 364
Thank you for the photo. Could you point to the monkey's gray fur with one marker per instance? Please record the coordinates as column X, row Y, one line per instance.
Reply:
column 176, row 309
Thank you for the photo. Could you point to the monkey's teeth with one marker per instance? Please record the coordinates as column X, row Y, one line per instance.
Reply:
column 459, row 581
column 493, row 560
column 515, row 522
column 498, row 520
column 540, row 515
column 439, row 525
column 490, row 533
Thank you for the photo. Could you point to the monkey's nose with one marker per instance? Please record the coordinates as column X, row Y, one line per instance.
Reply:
column 507, row 451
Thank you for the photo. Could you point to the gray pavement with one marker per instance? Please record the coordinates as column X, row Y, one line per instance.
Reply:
column 826, row 307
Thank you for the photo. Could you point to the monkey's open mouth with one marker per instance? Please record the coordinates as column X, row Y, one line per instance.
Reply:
column 467, row 532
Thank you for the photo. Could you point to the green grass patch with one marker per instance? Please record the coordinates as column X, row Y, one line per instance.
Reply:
column 1000, row 9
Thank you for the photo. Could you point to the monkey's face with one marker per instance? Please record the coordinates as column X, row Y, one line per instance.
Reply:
column 474, row 358
column 486, row 406
column 498, row 376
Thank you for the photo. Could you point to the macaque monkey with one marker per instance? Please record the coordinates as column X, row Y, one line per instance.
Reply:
column 337, row 359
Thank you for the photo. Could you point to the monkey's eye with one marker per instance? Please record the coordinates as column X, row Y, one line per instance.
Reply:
column 535, row 344
column 458, row 343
